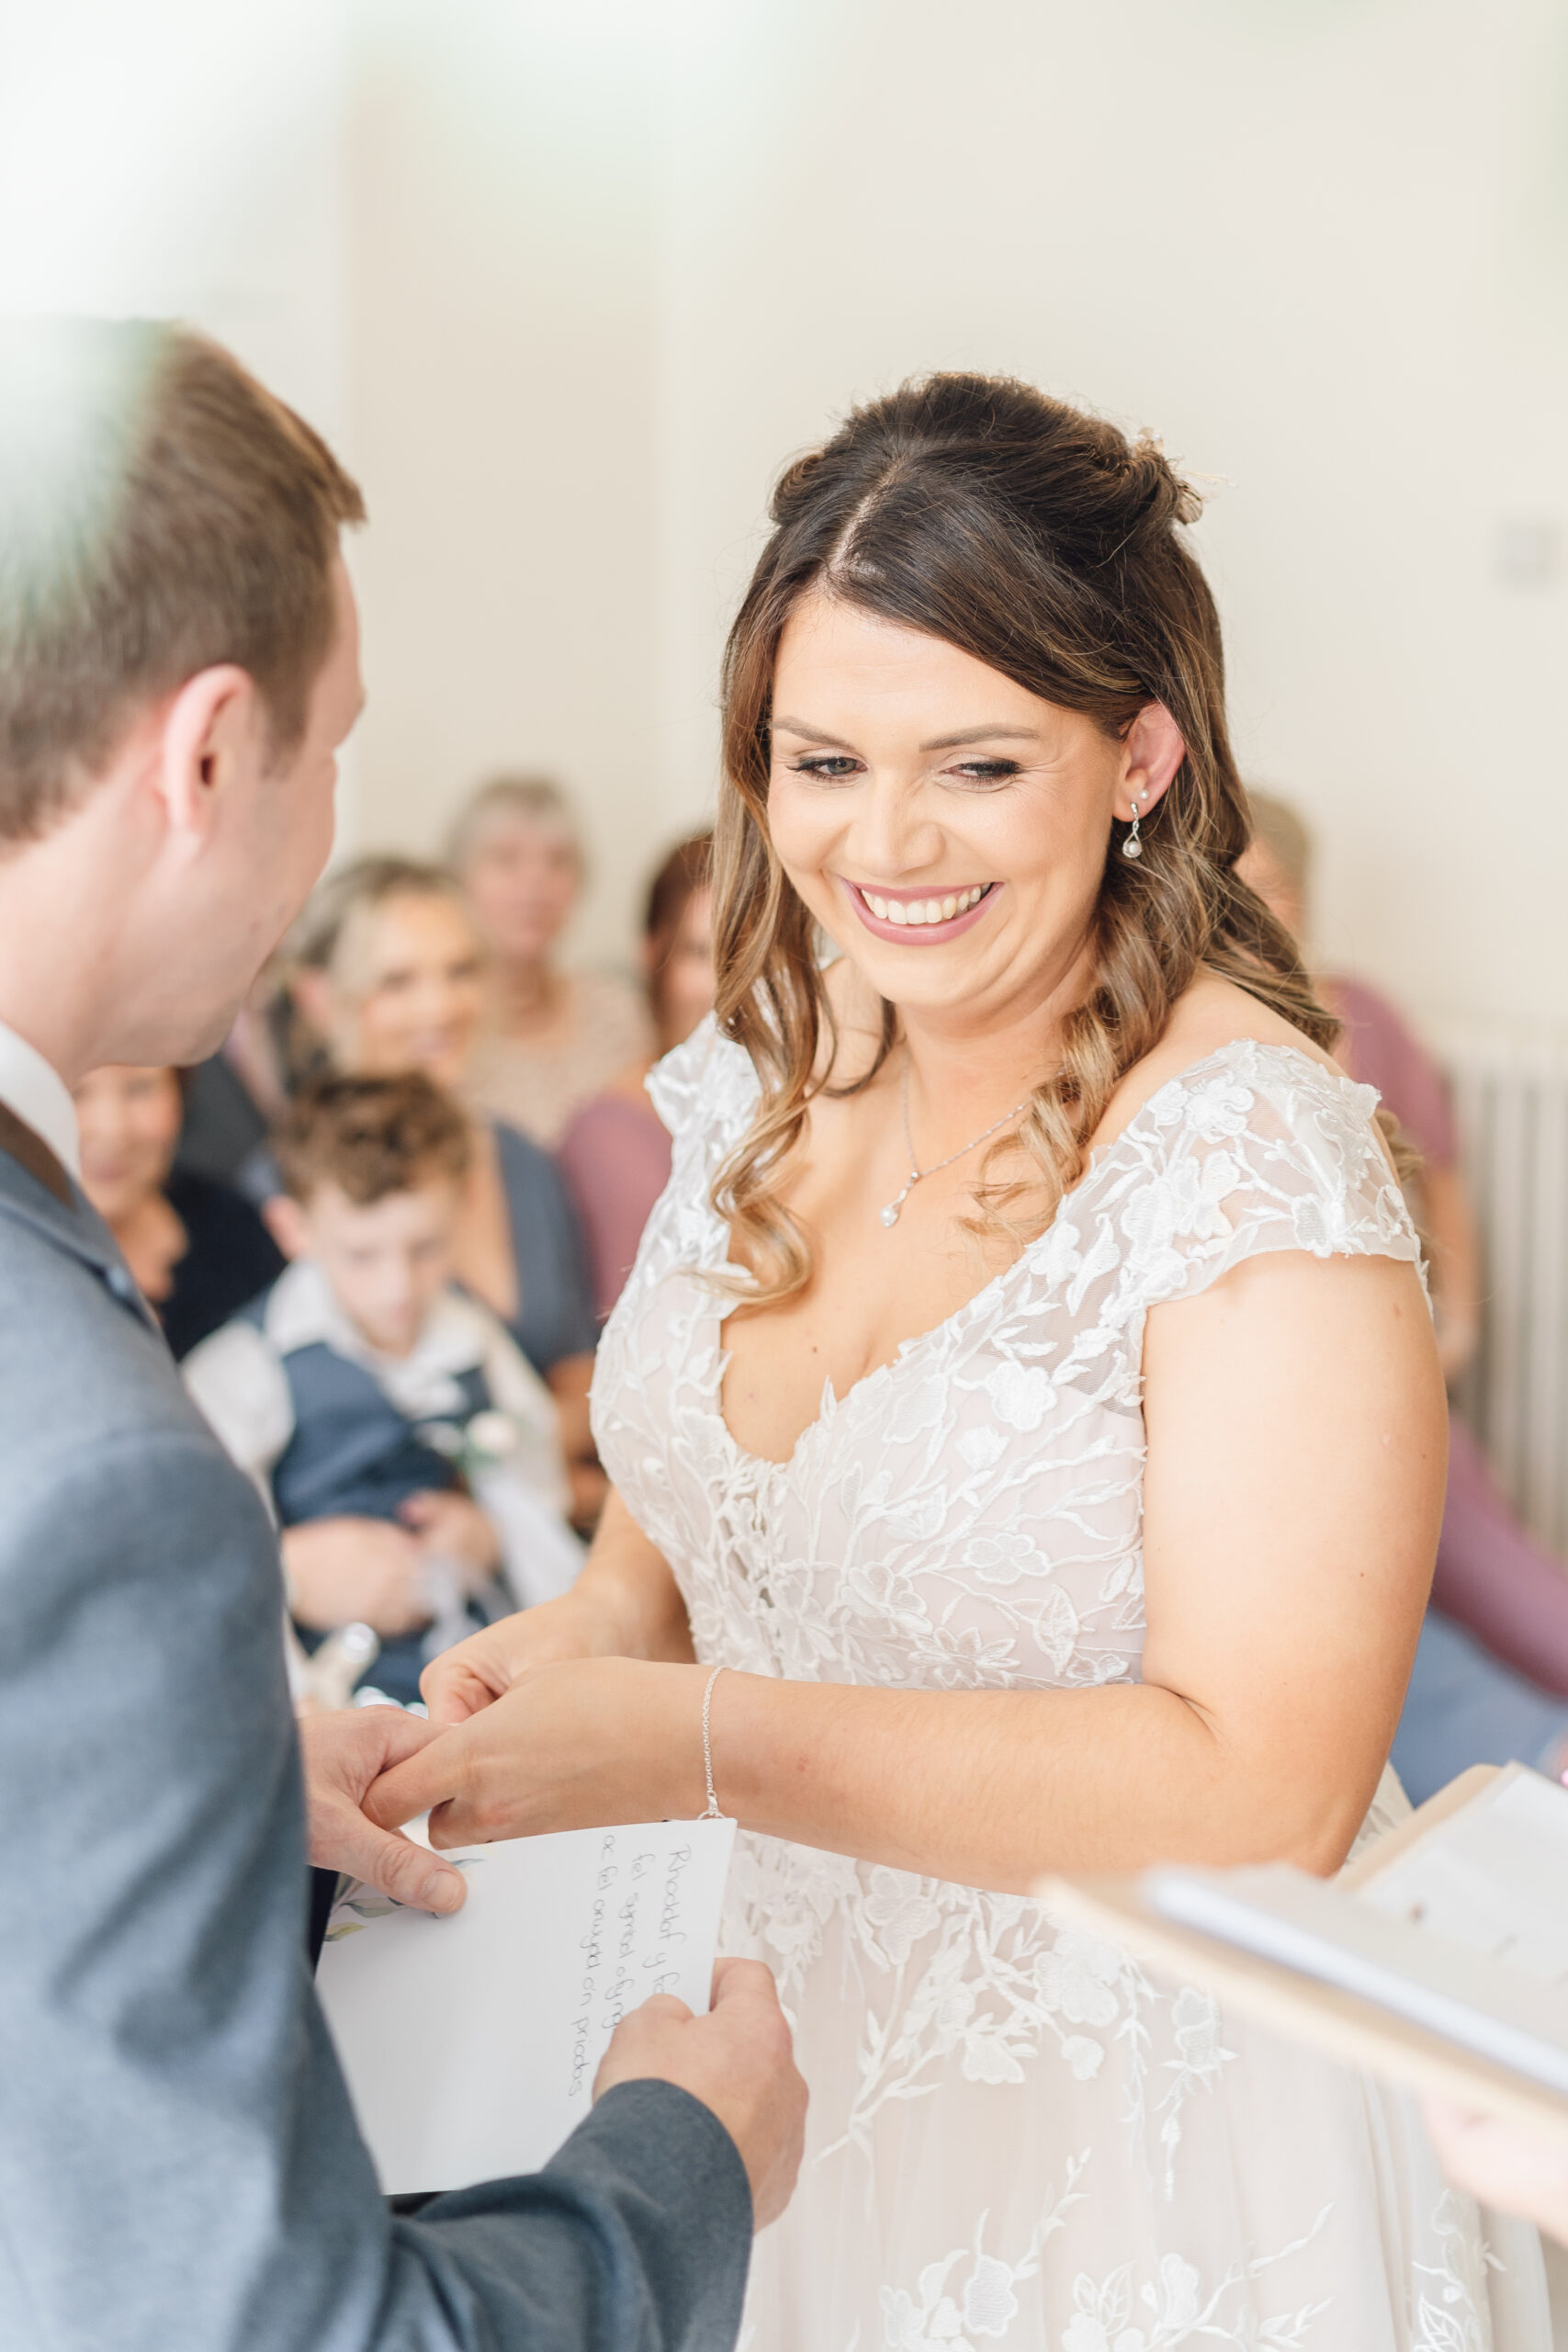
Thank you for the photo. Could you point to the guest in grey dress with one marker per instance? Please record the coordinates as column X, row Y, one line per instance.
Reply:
column 388, row 967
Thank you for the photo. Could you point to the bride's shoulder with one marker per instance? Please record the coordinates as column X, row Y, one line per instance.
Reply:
column 1217, row 1029
column 1213, row 1013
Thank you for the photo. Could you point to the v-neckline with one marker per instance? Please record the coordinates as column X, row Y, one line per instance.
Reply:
column 832, row 1404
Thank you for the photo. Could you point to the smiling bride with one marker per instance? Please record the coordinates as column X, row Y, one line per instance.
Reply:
column 1027, row 1394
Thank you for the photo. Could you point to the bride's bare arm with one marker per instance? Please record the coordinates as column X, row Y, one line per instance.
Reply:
column 1293, row 1493
column 625, row 1603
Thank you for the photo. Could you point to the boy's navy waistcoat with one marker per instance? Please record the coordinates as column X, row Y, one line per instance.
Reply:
column 354, row 1454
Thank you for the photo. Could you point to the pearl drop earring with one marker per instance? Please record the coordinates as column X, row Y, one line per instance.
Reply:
column 1133, row 846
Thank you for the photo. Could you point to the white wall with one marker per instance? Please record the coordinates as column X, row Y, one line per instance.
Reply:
column 501, row 325
column 184, row 158
column 568, row 280
column 1319, row 248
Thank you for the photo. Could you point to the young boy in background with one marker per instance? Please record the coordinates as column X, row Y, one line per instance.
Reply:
column 407, row 1450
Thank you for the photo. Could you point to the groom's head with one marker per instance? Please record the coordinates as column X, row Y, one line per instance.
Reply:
column 178, row 665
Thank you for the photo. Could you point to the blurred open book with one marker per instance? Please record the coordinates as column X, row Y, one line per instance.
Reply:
column 1438, row 1958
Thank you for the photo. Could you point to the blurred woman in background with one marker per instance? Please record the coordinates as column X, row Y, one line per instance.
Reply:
column 234, row 1098
column 1491, row 1672
column 391, row 969
column 197, row 1250
column 552, row 1039
column 615, row 1153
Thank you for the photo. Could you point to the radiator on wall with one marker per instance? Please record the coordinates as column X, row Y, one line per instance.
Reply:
column 1510, row 1091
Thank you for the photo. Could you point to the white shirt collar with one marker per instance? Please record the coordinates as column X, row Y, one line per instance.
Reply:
column 35, row 1090
column 303, row 1310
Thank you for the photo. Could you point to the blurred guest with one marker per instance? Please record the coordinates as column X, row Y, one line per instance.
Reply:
column 197, row 1249
column 1499, row 1599
column 234, row 1097
column 408, row 1451
column 389, row 969
column 552, row 1039
column 616, row 1152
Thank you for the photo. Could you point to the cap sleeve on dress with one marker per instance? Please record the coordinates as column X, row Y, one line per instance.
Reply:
column 1259, row 1149
column 705, row 1087
column 674, row 1084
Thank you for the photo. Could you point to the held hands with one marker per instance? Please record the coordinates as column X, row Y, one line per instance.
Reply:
column 548, row 1729
column 570, row 1744
column 344, row 1755
column 474, row 1673
column 737, row 2061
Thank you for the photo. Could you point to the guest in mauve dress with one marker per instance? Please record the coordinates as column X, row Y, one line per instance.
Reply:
column 616, row 1152
column 1491, row 1674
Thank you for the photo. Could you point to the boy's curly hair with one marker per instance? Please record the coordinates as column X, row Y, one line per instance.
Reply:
column 371, row 1137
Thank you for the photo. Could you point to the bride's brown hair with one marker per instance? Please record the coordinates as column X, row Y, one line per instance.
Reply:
column 1042, row 542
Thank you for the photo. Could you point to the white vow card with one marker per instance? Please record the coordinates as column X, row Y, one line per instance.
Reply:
column 470, row 2043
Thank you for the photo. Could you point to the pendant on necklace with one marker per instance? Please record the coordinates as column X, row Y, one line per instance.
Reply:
column 889, row 1215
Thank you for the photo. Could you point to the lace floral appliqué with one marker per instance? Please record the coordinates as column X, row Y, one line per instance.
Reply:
column 970, row 1518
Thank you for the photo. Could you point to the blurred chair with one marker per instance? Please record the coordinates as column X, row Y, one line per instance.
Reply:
column 1490, row 1682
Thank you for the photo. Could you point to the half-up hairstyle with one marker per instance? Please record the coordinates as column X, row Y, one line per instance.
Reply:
column 1044, row 543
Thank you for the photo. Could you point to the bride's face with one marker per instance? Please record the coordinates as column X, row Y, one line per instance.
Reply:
column 947, row 827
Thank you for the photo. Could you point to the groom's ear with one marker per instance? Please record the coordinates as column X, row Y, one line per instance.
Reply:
column 212, row 743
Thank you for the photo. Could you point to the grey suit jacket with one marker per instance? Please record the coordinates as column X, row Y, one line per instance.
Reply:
column 179, row 2166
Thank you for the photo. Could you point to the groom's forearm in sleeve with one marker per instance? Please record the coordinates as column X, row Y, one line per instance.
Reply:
column 635, row 2238
column 181, row 2170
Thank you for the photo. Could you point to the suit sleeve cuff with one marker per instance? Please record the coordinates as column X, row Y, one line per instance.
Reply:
column 680, row 2188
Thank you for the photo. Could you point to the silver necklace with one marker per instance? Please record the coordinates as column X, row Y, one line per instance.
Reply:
column 889, row 1215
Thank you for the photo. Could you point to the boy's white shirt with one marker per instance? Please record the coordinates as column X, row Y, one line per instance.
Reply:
column 237, row 1378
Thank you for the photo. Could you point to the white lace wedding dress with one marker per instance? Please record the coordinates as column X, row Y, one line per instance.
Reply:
column 1019, row 2138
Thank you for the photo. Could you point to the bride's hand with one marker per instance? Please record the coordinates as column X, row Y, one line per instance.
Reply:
column 474, row 1674
column 624, row 1604
column 572, row 1744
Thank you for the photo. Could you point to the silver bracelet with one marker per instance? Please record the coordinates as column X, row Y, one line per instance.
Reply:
column 712, row 1813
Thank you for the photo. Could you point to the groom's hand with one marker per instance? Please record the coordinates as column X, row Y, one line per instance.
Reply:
column 343, row 1755
column 739, row 2061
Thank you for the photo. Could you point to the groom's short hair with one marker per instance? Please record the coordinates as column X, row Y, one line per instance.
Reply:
column 160, row 512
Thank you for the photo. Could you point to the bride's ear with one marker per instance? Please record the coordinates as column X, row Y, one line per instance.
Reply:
column 1152, row 752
